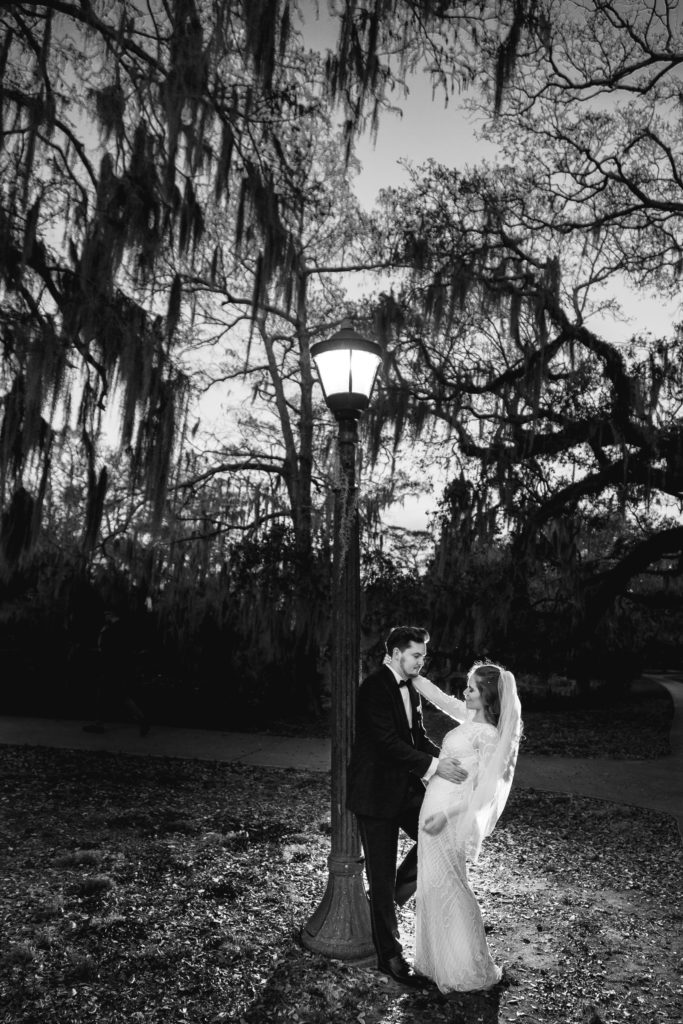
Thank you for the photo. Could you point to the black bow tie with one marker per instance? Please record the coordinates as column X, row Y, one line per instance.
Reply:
column 404, row 682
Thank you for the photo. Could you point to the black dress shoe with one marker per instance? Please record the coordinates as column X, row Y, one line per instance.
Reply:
column 401, row 971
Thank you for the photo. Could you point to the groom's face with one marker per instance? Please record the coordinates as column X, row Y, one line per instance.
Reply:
column 411, row 660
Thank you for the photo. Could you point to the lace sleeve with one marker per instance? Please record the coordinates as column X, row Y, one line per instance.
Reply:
column 451, row 706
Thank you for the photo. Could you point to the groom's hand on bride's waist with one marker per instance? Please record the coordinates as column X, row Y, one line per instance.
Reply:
column 449, row 768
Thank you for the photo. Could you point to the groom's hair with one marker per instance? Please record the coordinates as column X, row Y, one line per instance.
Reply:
column 404, row 636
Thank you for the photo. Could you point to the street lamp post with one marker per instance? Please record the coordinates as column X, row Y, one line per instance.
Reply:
column 340, row 927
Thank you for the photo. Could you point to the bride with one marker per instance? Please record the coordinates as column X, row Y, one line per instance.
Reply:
column 450, row 942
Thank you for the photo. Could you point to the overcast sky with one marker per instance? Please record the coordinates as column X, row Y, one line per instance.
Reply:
column 429, row 128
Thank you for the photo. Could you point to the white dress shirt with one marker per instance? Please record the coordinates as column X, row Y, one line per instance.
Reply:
column 405, row 697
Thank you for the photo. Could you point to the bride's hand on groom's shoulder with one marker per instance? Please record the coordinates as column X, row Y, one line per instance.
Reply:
column 433, row 823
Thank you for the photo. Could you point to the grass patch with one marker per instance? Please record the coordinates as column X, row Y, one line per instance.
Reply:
column 580, row 899
column 80, row 858
column 95, row 885
column 19, row 954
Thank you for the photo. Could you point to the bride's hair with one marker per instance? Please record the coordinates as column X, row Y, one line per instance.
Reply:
column 487, row 677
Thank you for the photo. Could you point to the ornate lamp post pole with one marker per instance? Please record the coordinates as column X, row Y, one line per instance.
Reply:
column 340, row 927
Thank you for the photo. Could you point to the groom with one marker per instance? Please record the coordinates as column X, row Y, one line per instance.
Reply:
column 391, row 761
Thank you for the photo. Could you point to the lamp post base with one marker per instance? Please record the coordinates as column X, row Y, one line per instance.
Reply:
column 340, row 927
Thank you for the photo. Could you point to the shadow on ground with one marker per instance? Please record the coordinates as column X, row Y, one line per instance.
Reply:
column 326, row 991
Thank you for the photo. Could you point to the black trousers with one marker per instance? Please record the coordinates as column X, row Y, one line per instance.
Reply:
column 379, row 837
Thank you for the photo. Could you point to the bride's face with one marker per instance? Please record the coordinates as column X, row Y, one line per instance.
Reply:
column 472, row 695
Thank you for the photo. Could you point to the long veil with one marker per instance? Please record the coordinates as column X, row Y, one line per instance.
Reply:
column 493, row 786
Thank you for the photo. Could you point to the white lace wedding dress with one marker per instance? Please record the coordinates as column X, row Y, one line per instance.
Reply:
column 450, row 942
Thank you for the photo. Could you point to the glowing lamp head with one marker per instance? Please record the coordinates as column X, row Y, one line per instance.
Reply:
column 347, row 366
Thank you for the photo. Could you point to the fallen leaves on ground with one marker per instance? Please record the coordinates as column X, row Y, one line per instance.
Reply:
column 166, row 891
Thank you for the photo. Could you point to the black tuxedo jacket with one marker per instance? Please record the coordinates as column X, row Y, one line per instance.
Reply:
column 386, row 760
